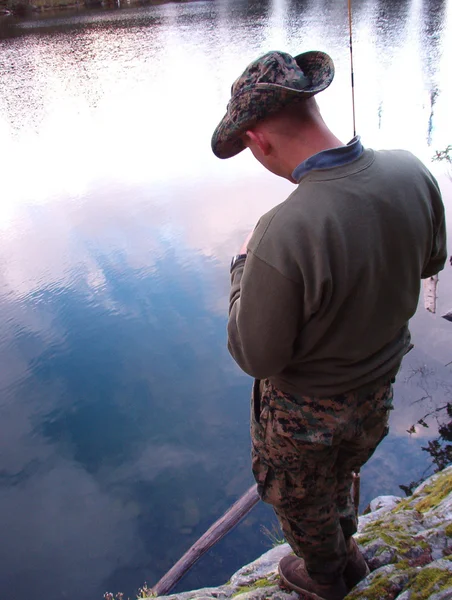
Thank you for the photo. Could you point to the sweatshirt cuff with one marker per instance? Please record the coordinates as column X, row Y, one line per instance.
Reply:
column 237, row 267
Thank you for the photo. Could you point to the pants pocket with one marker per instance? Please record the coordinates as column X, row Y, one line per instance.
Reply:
column 256, row 399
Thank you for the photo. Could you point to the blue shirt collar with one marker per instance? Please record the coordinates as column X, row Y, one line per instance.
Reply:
column 334, row 157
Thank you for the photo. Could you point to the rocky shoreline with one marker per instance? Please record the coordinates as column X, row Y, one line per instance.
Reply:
column 406, row 542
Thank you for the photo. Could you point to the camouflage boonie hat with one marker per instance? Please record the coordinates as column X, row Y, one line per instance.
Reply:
column 267, row 85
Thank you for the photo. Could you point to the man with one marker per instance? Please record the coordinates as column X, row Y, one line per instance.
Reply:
column 321, row 296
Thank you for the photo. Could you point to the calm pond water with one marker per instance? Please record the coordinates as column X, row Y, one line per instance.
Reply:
column 124, row 422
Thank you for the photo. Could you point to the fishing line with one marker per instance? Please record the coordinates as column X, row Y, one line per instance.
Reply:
column 356, row 474
column 351, row 62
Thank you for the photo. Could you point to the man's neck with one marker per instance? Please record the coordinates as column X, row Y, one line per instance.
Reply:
column 307, row 143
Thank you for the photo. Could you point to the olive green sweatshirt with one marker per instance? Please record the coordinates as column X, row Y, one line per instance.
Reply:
column 332, row 276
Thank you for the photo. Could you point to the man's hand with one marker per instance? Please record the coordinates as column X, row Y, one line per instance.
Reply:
column 243, row 249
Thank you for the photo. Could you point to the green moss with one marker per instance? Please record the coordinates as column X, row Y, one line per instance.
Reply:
column 375, row 524
column 386, row 538
column 260, row 583
column 375, row 530
column 402, row 565
column 404, row 504
column 420, row 543
column 429, row 581
column 448, row 530
column 379, row 589
column 435, row 493
column 365, row 539
column 404, row 550
column 380, row 528
column 421, row 584
column 399, row 542
column 384, row 586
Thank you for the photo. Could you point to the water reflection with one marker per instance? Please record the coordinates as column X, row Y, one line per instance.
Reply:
column 107, row 420
column 125, row 422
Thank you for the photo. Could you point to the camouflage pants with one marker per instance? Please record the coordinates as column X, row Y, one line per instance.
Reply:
column 304, row 451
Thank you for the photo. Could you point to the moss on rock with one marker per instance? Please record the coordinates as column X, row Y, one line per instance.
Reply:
column 407, row 547
column 386, row 585
column 429, row 581
column 434, row 493
column 260, row 583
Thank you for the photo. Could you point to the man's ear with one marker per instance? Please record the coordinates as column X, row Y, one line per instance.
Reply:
column 258, row 139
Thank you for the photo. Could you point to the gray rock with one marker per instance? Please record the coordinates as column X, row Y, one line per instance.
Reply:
column 439, row 514
column 443, row 564
column 444, row 595
column 264, row 566
column 378, row 554
column 404, row 595
column 437, row 541
column 400, row 539
column 388, row 580
column 365, row 520
column 438, row 565
column 274, row 592
column 202, row 594
column 447, row 471
column 385, row 503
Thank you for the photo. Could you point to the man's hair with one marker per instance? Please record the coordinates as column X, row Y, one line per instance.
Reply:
column 296, row 113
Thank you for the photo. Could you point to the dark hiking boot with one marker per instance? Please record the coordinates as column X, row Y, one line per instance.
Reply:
column 356, row 568
column 295, row 576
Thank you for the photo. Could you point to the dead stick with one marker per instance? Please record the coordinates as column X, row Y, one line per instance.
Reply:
column 218, row 530
column 213, row 535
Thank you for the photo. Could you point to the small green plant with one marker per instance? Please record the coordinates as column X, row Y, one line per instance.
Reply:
column 274, row 534
column 145, row 592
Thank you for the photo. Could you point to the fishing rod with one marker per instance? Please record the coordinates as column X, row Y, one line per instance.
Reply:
column 350, row 29
column 250, row 498
column 356, row 489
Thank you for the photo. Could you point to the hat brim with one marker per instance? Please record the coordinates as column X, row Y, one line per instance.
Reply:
column 317, row 66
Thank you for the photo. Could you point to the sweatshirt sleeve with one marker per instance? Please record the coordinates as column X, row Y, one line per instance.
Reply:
column 438, row 253
column 264, row 315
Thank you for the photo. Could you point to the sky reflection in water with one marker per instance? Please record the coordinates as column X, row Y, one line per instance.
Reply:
column 124, row 420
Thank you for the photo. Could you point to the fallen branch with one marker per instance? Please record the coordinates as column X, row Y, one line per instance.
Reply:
column 213, row 535
column 218, row 530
